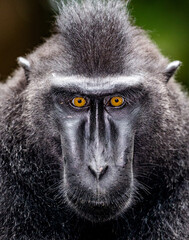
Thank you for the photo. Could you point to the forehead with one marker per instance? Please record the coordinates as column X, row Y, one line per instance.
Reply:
column 95, row 85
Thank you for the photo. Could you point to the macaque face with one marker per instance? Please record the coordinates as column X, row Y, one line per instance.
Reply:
column 96, row 122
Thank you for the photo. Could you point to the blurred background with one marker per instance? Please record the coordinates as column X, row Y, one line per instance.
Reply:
column 25, row 23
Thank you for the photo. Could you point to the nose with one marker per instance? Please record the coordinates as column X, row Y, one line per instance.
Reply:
column 98, row 173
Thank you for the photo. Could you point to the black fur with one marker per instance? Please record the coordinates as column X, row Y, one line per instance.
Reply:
column 93, row 39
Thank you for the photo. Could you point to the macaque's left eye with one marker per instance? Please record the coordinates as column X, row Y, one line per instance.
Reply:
column 79, row 102
column 117, row 101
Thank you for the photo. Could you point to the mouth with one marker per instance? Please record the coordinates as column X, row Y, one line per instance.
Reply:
column 99, row 210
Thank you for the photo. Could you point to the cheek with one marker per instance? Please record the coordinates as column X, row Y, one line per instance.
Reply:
column 117, row 113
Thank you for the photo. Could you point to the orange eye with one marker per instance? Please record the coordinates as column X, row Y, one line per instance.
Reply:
column 117, row 101
column 79, row 102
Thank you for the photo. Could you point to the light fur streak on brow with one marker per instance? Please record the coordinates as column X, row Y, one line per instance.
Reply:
column 95, row 84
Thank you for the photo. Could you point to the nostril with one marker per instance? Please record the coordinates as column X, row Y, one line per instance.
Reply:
column 98, row 173
column 92, row 171
column 103, row 170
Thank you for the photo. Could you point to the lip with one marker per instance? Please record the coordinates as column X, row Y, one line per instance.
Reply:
column 92, row 210
column 96, row 210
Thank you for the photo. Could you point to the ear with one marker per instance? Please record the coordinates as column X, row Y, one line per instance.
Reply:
column 171, row 69
column 25, row 64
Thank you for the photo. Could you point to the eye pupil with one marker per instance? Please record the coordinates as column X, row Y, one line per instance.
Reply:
column 79, row 101
column 116, row 100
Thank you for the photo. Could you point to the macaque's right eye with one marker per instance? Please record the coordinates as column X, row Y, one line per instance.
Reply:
column 117, row 101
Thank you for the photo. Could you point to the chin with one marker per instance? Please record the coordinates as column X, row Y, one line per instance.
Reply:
column 99, row 208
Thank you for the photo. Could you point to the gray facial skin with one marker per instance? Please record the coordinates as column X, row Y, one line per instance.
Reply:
column 98, row 139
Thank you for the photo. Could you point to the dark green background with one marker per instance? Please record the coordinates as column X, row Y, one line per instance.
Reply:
column 24, row 24
column 167, row 23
